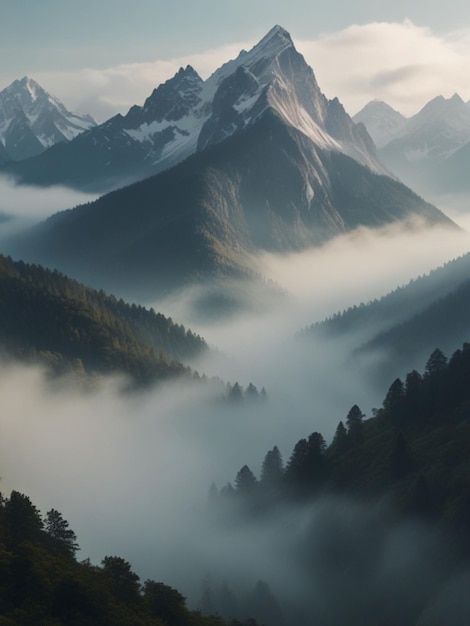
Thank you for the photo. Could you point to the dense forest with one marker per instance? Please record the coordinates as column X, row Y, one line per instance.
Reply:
column 406, row 464
column 48, row 317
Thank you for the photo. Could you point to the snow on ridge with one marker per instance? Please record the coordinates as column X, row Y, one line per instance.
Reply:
column 24, row 104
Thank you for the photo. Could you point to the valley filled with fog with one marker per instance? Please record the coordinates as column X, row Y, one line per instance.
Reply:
column 131, row 471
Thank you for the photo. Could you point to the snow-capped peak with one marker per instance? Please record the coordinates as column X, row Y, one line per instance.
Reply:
column 32, row 120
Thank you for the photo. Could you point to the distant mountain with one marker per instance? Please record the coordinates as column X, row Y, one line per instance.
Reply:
column 276, row 167
column 430, row 150
column 32, row 120
column 49, row 318
column 403, row 327
column 383, row 123
column 186, row 115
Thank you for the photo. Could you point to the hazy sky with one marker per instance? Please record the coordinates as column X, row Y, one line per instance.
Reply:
column 105, row 56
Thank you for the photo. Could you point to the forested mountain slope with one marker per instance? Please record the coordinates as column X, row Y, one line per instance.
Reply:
column 45, row 315
column 402, row 327
column 380, row 517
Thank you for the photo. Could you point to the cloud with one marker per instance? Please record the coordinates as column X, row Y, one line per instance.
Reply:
column 401, row 63
column 105, row 92
column 22, row 206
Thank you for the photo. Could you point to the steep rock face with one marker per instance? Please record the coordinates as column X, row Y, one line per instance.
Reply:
column 186, row 115
column 32, row 120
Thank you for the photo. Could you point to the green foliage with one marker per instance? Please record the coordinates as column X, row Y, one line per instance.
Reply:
column 51, row 318
column 166, row 603
column 415, row 449
column 123, row 581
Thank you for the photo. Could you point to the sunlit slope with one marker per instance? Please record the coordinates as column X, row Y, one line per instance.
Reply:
column 48, row 317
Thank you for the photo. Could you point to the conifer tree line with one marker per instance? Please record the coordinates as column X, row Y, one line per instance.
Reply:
column 414, row 449
column 47, row 315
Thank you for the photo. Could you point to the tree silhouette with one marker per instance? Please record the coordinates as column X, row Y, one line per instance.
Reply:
column 436, row 363
column 22, row 519
column 124, row 582
column 245, row 481
column 65, row 540
column 166, row 603
column 272, row 469
column 341, row 440
column 307, row 467
column 354, row 423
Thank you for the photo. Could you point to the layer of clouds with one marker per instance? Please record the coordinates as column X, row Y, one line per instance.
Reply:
column 21, row 206
column 402, row 63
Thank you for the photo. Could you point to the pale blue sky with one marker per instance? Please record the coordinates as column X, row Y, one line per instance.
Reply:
column 50, row 38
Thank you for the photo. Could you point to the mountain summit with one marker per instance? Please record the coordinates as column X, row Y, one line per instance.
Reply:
column 32, row 120
column 185, row 115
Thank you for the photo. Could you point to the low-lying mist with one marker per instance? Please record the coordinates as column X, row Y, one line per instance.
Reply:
column 22, row 206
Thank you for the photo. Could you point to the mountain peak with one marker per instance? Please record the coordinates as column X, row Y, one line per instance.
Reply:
column 32, row 120
column 174, row 98
column 187, row 72
column 274, row 42
column 440, row 108
column 456, row 99
column 27, row 86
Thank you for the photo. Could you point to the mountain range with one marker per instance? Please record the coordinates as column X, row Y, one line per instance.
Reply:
column 31, row 120
column 265, row 162
column 186, row 115
column 428, row 151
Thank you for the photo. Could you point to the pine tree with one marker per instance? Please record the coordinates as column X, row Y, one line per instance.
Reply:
column 22, row 519
column 393, row 402
column 272, row 469
column 436, row 363
column 307, row 468
column 64, row 539
column 124, row 582
column 245, row 481
column 354, row 423
column 341, row 440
